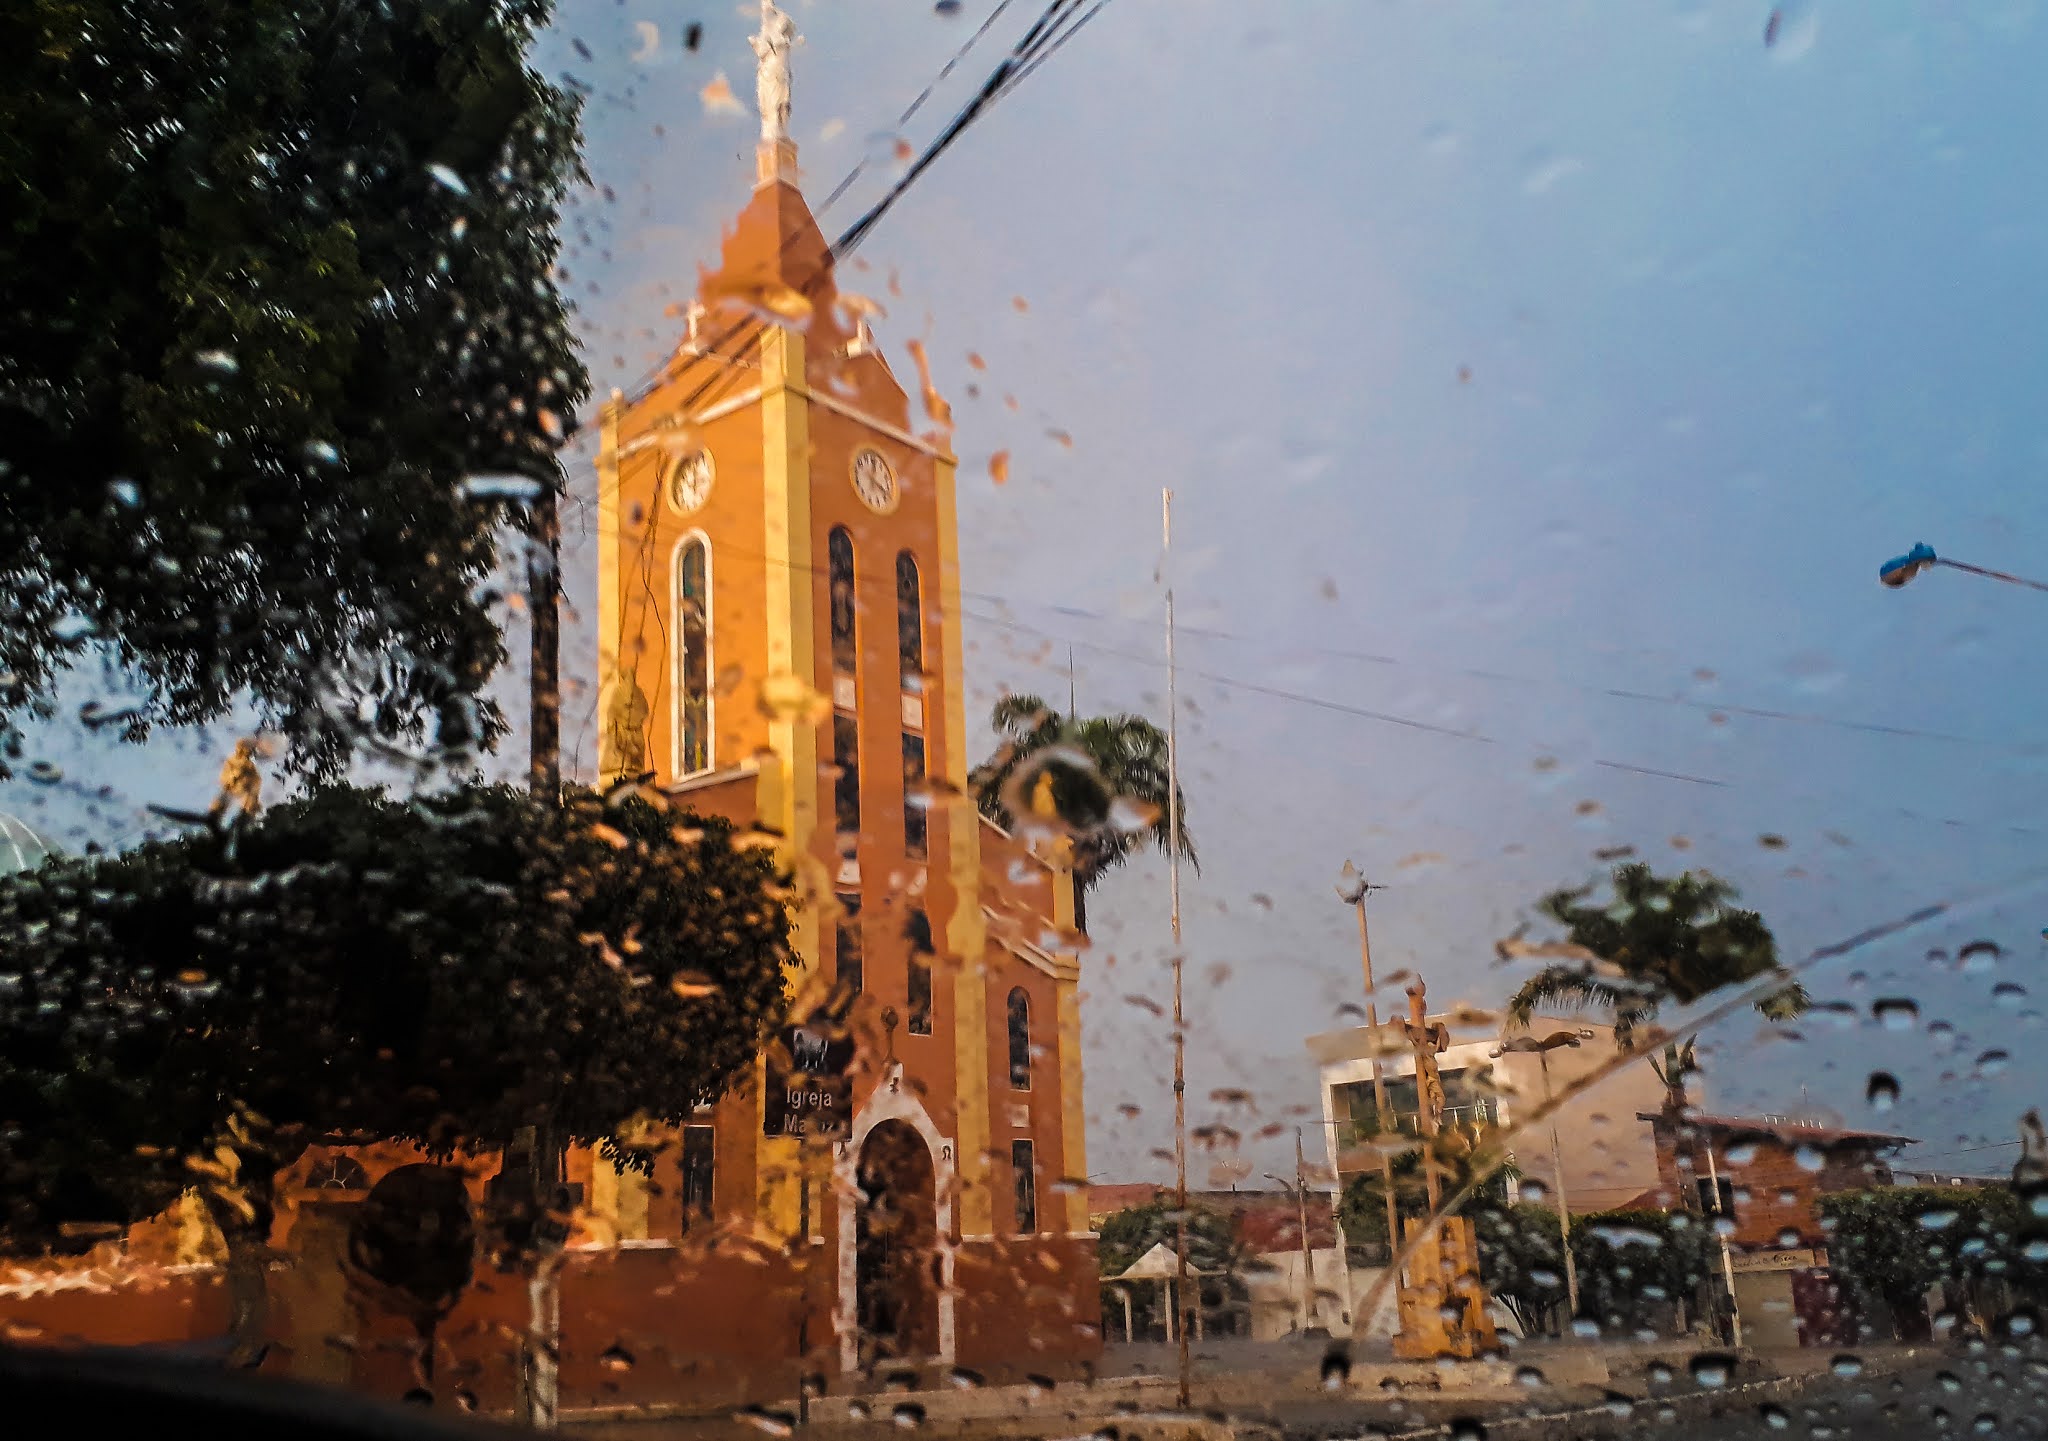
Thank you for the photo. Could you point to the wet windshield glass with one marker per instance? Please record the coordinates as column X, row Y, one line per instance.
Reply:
column 1035, row 719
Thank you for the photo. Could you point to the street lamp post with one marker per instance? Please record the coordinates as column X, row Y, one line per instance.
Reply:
column 1902, row 568
column 1308, row 1305
column 1541, row 1050
column 1353, row 889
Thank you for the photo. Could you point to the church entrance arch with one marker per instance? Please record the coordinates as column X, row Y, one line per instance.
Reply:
column 896, row 1245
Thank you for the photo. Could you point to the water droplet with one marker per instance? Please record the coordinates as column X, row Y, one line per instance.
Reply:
column 1939, row 1219
column 1847, row 1365
column 1529, row 1376
column 322, row 452
column 1883, row 1091
column 1809, row 1158
column 126, row 493
column 1586, row 1328
column 615, row 1357
column 219, row 360
column 1712, row 1370
column 1775, row 1417
column 447, row 179
column 906, row 1415
column 1992, row 1062
column 764, row 1420
column 1466, row 1428
column 501, row 487
column 1791, row 30
column 1896, row 1013
column 1986, row 1423
column 1978, row 957
column 1742, row 1153
column 2007, row 996
column 962, row 1379
column 1336, row 1370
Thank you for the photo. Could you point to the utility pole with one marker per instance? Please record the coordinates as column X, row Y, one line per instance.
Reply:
column 1542, row 1049
column 538, row 1190
column 1353, row 889
column 1308, row 1263
column 1180, row 1080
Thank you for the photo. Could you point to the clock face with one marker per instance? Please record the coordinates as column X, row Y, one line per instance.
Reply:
column 689, row 484
column 873, row 481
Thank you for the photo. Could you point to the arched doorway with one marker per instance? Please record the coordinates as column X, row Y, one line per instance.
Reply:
column 896, row 1245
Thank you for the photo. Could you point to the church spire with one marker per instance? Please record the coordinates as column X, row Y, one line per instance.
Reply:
column 772, row 44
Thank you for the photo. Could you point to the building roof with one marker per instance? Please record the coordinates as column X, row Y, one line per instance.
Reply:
column 1784, row 1129
column 1158, row 1264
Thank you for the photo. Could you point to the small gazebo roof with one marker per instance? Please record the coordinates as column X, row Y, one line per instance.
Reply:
column 1158, row 1264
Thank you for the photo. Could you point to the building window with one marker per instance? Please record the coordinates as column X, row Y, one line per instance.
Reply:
column 1025, row 1169
column 916, row 803
column 849, row 943
column 920, row 933
column 909, row 622
column 699, row 1171
column 846, row 756
column 1020, row 1040
column 693, row 655
column 839, row 558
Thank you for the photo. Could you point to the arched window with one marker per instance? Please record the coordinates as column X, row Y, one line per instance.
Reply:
column 919, row 933
column 839, row 566
column 1020, row 1040
column 693, row 655
column 909, row 621
column 845, row 696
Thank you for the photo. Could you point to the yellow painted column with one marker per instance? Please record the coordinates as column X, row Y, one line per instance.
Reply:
column 607, row 576
column 966, row 931
column 1073, row 1101
column 789, row 785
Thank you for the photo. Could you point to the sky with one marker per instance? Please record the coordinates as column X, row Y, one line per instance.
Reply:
column 1540, row 387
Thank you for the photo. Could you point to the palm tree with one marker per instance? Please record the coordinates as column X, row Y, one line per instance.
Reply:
column 1102, row 779
column 1661, row 939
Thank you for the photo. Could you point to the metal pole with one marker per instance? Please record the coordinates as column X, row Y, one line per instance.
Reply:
column 1727, row 1262
column 1180, row 1082
column 1564, row 1204
column 1383, row 1116
column 1308, row 1265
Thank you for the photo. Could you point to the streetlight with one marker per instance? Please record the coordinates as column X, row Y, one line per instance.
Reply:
column 1352, row 889
column 1300, row 1189
column 1525, row 1045
column 1902, row 568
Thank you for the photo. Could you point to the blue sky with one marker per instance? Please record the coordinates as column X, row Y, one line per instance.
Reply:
column 1502, row 357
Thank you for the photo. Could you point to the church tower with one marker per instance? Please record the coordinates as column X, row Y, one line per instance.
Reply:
column 779, row 636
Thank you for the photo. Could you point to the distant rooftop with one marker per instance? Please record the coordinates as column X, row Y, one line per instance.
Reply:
column 1786, row 1128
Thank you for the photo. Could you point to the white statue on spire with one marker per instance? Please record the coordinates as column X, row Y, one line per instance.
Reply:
column 771, row 81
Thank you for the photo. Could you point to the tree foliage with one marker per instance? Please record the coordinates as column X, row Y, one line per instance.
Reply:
column 446, row 970
column 1658, row 940
column 1983, row 1247
column 1632, row 1265
column 1521, row 1259
column 1464, row 1158
column 1102, row 779
column 277, row 276
column 1212, row 1247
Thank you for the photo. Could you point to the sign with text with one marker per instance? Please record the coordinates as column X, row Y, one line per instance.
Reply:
column 1803, row 1259
column 809, row 1090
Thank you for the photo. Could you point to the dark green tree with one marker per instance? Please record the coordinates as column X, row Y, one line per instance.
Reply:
column 457, row 970
column 277, row 284
column 1634, row 1264
column 1521, row 1259
column 1100, row 779
column 1212, row 1248
column 1657, row 941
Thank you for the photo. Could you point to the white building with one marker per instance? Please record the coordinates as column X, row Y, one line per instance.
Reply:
column 1609, row 1156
